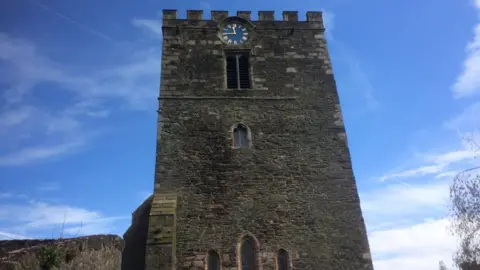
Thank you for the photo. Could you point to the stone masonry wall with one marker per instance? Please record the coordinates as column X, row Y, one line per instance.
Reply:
column 99, row 252
column 7, row 246
column 293, row 189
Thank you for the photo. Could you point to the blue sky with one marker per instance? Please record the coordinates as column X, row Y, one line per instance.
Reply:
column 78, row 88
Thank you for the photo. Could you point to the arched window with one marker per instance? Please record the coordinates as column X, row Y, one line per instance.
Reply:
column 213, row 262
column 248, row 254
column 282, row 260
column 241, row 136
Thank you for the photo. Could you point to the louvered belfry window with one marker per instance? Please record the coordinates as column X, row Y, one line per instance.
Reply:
column 238, row 71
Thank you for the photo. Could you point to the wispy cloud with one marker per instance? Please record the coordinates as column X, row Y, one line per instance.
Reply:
column 28, row 67
column 417, row 247
column 38, row 219
column 450, row 157
column 28, row 155
column 407, row 219
column 406, row 224
column 49, row 186
column 351, row 62
column 466, row 121
column 15, row 116
column 328, row 22
column 46, row 132
column 468, row 82
column 447, row 174
column 12, row 195
column 10, row 236
column 434, row 164
column 154, row 27
column 397, row 200
column 72, row 21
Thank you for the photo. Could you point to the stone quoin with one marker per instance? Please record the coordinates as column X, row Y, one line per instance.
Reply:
column 253, row 170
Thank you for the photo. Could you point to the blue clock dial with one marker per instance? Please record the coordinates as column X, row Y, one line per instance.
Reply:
column 234, row 33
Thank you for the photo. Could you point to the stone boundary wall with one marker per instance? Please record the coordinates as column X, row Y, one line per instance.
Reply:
column 96, row 252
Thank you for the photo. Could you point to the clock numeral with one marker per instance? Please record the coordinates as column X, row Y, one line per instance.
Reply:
column 225, row 37
column 234, row 42
column 244, row 38
column 229, row 26
column 243, row 29
column 230, row 41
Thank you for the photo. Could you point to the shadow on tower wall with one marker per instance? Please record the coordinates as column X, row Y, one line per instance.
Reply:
column 133, row 256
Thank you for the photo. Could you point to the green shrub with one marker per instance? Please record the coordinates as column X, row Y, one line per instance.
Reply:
column 49, row 257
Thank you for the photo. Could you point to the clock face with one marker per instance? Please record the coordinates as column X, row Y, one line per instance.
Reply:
column 234, row 33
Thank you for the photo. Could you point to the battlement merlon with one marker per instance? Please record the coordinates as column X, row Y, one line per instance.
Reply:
column 266, row 19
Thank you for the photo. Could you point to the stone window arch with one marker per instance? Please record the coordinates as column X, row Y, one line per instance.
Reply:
column 213, row 260
column 283, row 260
column 241, row 136
column 248, row 253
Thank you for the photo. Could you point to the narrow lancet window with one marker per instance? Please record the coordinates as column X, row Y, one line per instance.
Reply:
column 213, row 262
column 282, row 259
column 240, row 136
column 248, row 254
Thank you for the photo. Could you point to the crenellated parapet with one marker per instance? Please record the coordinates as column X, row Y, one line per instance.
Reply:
column 288, row 18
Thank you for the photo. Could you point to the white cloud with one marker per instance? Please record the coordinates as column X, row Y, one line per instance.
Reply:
column 406, row 227
column 38, row 219
column 31, row 133
column 421, row 171
column 328, row 22
column 398, row 200
column 447, row 174
column 466, row 121
column 15, row 116
column 6, row 195
column 72, row 21
column 468, row 82
column 27, row 64
column 451, row 157
column 355, row 68
column 10, row 236
column 12, row 195
column 49, row 186
column 153, row 26
column 27, row 155
column 437, row 164
column 90, row 229
column 418, row 247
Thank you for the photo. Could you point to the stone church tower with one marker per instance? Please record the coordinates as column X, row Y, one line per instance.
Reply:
column 253, row 170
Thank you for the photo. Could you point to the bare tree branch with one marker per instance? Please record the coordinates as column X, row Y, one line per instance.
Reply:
column 465, row 213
